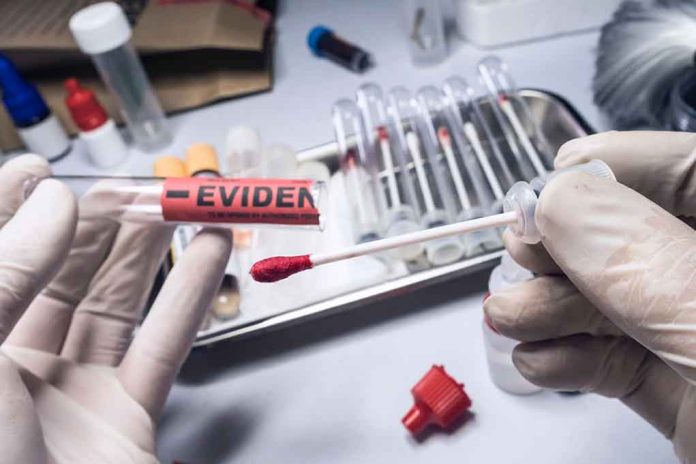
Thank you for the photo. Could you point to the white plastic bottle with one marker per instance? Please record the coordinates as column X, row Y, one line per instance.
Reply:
column 98, row 132
column 499, row 348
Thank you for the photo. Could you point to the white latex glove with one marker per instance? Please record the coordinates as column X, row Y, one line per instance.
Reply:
column 614, row 311
column 75, row 387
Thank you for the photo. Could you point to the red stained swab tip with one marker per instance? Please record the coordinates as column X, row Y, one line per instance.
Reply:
column 382, row 133
column 279, row 267
column 443, row 134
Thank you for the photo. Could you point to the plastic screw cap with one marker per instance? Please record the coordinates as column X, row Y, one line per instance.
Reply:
column 100, row 27
column 85, row 109
column 169, row 166
column 201, row 157
column 439, row 399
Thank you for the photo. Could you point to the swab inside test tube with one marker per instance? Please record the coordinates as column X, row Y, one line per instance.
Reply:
column 359, row 172
column 198, row 200
column 503, row 91
column 397, row 191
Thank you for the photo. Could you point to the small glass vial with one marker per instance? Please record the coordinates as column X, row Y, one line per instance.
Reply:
column 499, row 348
column 425, row 28
column 102, row 31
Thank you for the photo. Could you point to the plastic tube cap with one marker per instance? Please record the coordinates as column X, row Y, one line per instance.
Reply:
column 84, row 107
column 100, row 27
column 169, row 166
column 201, row 157
column 439, row 399
column 315, row 34
column 22, row 100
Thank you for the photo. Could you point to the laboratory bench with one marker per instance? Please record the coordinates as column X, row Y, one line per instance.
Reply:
column 334, row 390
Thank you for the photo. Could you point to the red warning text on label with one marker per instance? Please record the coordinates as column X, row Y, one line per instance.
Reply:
column 240, row 201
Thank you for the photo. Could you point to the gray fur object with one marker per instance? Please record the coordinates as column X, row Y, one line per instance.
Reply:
column 642, row 51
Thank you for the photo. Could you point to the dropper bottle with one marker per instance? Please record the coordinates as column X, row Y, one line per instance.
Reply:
column 98, row 132
column 38, row 128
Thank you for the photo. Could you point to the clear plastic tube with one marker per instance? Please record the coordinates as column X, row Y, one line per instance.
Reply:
column 125, row 77
column 199, row 200
column 359, row 171
column 503, row 91
column 397, row 193
column 436, row 204
column 479, row 135
column 425, row 27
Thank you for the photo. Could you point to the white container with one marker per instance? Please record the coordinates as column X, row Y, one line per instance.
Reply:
column 490, row 23
column 46, row 138
column 499, row 348
column 105, row 145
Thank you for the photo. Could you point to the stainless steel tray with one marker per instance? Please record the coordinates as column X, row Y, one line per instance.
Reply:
column 559, row 122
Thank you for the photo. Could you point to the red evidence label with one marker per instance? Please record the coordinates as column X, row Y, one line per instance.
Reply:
column 240, row 201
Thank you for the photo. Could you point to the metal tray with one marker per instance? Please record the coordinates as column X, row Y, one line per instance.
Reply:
column 559, row 122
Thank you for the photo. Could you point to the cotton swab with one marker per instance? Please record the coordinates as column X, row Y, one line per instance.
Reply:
column 446, row 143
column 414, row 148
column 473, row 138
column 281, row 267
column 389, row 167
column 511, row 114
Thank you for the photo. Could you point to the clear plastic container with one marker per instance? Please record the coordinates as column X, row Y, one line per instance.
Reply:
column 395, row 189
column 467, row 113
column 425, row 29
column 518, row 122
column 103, row 32
column 199, row 200
column 434, row 205
column 359, row 171
column 499, row 349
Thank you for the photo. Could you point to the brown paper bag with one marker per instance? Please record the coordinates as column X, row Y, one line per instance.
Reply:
column 195, row 52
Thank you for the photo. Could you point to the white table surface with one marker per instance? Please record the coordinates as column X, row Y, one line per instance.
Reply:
column 334, row 391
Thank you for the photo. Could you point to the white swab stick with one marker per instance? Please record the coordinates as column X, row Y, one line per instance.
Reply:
column 527, row 144
column 475, row 141
column 414, row 147
column 489, row 222
column 446, row 142
column 389, row 167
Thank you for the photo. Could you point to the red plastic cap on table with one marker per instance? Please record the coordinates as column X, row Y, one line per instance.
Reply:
column 439, row 399
column 85, row 109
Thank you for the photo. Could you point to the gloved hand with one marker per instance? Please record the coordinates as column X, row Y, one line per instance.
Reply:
column 75, row 386
column 614, row 308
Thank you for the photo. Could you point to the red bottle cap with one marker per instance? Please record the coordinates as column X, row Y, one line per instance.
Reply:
column 439, row 399
column 84, row 107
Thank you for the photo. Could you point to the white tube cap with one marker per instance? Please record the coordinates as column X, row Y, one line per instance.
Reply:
column 100, row 27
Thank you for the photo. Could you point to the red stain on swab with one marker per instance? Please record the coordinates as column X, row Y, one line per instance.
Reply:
column 443, row 134
column 382, row 133
column 279, row 267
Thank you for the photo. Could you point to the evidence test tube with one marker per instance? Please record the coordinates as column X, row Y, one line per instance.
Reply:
column 479, row 135
column 199, row 200
column 103, row 32
column 401, row 217
column 449, row 186
column 504, row 97
column 410, row 131
column 358, row 172
column 481, row 201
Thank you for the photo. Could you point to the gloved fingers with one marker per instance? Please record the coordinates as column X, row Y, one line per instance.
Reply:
column 544, row 308
column 102, row 326
column 45, row 323
column 23, row 440
column 33, row 245
column 15, row 176
column 684, row 443
column 164, row 340
column 532, row 257
column 660, row 165
column 616, row 367
column 632, row 259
